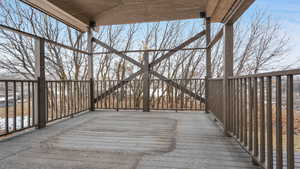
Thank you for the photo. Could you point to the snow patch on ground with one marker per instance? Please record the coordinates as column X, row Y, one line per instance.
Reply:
column 11, row 123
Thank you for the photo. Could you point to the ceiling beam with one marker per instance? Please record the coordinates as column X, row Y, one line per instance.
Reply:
column 57, row 13
column 237, row 10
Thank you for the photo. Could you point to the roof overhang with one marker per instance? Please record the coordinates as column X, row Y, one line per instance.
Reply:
column 80, row 13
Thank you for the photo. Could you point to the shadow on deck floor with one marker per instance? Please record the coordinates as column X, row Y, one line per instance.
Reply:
column 126, row 140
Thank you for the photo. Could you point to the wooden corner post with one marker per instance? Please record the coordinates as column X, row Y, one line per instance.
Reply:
column 91, row 69
column 146, row 84
column 228, row 71
column 208, row 60
column 40, row 98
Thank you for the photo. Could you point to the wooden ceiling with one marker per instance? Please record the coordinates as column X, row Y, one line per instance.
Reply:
column 80, row 13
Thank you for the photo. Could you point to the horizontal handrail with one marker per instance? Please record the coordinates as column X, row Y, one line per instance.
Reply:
column 39, row 37
column 275, row 73
column 153, row 79
column 68, row 80
column 151, row 50
column 16, row 80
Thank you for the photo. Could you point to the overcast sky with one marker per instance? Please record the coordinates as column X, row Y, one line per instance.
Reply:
column 286, row 12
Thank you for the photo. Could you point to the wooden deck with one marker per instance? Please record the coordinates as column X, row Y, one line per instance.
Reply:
column 126, row 140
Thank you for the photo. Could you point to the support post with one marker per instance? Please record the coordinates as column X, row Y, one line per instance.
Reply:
column 146, row 84
column 40, row 89
column 208, row 49
column 228, row 71
column 208, row 60
column 91, row 69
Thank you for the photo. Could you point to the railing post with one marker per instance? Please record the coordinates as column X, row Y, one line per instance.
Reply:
column 146, row 84
column 208, row 60
column 91, row 69
column 40, row 98
column 228, row 71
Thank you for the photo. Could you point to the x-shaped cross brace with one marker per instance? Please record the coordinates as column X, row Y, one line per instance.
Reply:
column 154, row 63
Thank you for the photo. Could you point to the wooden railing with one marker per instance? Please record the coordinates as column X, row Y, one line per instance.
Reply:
column 262, row 116
column 17, row 100
column 162, row 95
column 66, row 98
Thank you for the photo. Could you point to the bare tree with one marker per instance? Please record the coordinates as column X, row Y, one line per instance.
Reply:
column 259, row 42
column 17, row 50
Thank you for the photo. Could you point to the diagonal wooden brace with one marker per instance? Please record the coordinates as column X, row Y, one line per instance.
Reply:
column 118, row 85
column 157, row 61
column 178, row 86
column 122, row 55
column 176, row 49
column 215, row 39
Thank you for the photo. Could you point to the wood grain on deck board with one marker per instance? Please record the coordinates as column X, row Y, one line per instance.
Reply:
column 126, row 140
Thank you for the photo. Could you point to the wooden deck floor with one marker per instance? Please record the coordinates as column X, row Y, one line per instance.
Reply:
column 126, row 140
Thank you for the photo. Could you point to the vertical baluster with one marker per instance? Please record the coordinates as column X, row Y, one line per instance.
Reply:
column 81, row 96
column 101, row 100
column 290, row 123
column 87, row 90
column 200, row 93
column 60, row 100
column 191, row 98
column 134, row 93
column 176, row 97
column 28, row 120
column 33, row 102
column 269, row 124
column 78, row 96
column 255, row 118
column 105, row 88
column 167, row 96
column 262, row 120
column 64, row 98
column 75, row 96
column 72, row 97
column 250, row 106
column 130, row 94
column 22, row 104
column 233, row 119
column 233, row 113
column 51, row 100
column 195, row 91
column 118, row 98
column 245, row 113
column 47, row 101
column 15, row 105
column 241, row 111
column 163, row 94
column 231, row 106
column 113, row 94
column 158, row 94
column 231, row 97
column 109, row 96
column 97, row 91
column 238, row 113
column 67, row 98
column 6, row 108
column 278, row 123
column 186, row 97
